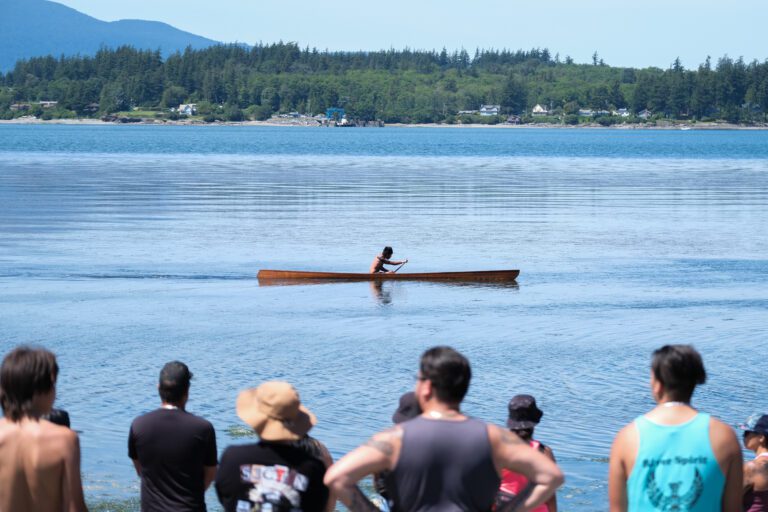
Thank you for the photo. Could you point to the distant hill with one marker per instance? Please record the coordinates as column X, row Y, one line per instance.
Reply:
column 32, row 28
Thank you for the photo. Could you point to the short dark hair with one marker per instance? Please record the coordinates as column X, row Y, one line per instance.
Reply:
column 448, row 371
column 25, row 372
column 679, row 369
column 174, row 382
column 387, row 251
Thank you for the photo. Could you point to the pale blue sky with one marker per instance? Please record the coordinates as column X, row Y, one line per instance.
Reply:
column 624, row 33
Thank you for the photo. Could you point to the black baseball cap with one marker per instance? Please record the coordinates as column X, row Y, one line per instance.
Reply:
column 756, row 423
column 408, row 409
column 175, row 373
column 523, row 412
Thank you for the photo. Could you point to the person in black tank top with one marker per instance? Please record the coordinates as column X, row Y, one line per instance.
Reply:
column 442, row 460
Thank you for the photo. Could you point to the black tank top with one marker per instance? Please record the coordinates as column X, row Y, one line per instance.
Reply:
column 444, row 466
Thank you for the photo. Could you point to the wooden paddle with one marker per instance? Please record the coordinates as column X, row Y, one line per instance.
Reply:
column 398, row 268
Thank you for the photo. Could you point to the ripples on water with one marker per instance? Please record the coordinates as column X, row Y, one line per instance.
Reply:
column 121, row 262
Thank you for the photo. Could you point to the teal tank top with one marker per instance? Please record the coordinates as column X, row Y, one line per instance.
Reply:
column 675, row 469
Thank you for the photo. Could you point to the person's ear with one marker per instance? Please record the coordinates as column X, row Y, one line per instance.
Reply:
column 656, row 388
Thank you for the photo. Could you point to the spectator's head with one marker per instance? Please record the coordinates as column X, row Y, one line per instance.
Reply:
column 447, row 374
column 275, row 412
column 756, row 432
column 387, row 252
column 28, row 383
column 523, row 415
column 676, row 370
column 407, row 409
column 174, row 383
column 59, row 417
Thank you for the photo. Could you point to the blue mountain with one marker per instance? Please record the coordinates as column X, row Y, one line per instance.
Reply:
column 32, row 28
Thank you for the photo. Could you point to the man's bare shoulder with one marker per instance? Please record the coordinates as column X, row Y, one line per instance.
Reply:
column 723, row 436
column 626, row 441
column 502, row 436
column 58, row 435
column 720, row 427
column 627, row 432
column 387, row 440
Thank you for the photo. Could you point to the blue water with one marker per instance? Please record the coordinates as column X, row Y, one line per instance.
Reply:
column 125, row 247
column 445, row 142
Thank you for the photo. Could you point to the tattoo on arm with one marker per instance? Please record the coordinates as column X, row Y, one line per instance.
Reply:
column 360, row 503
column 384, row 447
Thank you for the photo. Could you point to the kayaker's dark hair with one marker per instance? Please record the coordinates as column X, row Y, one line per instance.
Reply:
column 679, row 369
column 387, row 252
column 25, row 372
column 449, row 373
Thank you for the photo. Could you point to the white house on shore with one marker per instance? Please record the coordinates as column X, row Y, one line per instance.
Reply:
column 645, row 114
column 538, row 110
column 188, row 109
column 490, row 110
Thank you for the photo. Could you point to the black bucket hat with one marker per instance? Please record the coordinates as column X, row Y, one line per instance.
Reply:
column 523, row 412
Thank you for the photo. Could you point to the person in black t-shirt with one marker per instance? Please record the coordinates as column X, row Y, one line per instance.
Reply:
column 174, row 452
column 284, row 471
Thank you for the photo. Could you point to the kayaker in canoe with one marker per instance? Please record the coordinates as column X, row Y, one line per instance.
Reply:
column 383, row 259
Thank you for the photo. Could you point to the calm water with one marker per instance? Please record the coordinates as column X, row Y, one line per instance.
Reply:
column 125, row 247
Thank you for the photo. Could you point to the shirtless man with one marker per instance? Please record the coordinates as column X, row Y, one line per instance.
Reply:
column 383, row 259
column 39, row 461
column 442, row 459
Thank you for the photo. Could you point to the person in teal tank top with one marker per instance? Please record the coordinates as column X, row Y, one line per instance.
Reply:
column 675, row 458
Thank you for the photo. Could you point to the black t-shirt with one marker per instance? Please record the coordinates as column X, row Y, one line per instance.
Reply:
column 172, row 446
column 285, row 476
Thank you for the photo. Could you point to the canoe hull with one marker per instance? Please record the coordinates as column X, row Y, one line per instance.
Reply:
column 483, row 275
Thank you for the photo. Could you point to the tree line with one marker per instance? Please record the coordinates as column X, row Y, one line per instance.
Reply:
column 408, row 86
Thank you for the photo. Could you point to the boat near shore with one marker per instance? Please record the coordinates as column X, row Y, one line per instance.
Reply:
column 467, row 276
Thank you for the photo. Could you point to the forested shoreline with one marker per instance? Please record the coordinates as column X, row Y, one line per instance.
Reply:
column 236, row 83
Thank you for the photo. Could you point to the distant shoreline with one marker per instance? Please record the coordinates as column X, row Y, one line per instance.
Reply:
column 299, row 124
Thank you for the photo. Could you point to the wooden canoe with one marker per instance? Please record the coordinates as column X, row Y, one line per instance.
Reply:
column 482, row 275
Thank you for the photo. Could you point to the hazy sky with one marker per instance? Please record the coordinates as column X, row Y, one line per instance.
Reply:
column 624, row 32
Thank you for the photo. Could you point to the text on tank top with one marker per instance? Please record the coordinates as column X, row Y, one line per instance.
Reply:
column 444, row 466
column 675, row 468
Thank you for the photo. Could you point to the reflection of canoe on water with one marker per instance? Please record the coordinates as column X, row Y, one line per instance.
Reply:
column 482, row 275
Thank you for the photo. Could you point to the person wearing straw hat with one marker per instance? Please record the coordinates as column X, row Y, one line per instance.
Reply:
column 522, row 419
column 756, row 470
column 284, row 471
